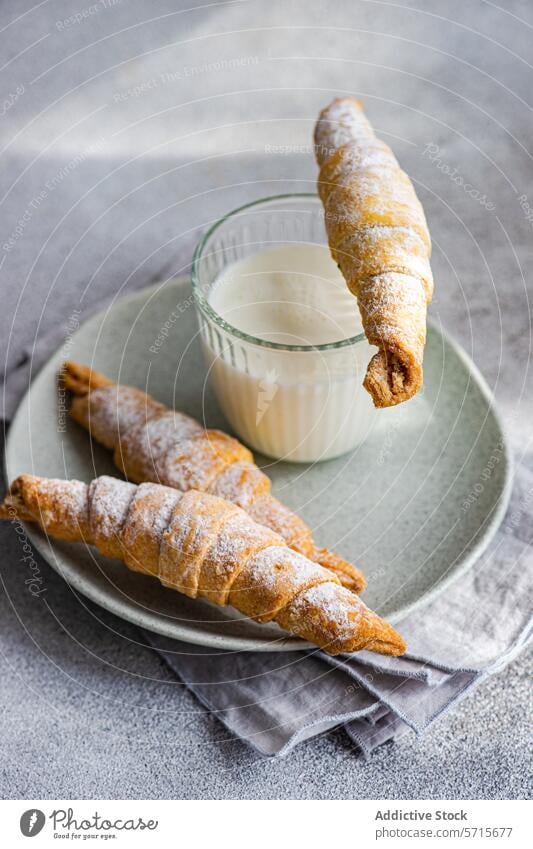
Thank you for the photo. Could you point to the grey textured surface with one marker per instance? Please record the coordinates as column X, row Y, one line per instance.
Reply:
column 136, row 125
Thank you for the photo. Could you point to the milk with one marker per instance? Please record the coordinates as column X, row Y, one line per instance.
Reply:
column 297, row 405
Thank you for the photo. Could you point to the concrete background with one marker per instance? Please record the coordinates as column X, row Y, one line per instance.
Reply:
column 126, row 129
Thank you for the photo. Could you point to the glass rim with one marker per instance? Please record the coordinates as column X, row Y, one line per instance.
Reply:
column 205, row 307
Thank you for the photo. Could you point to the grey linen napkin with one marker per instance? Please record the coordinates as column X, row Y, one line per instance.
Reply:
column 275, row 700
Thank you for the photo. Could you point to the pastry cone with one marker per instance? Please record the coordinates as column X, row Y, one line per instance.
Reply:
column 379, row 238
column 152, row 443
column 204, row 547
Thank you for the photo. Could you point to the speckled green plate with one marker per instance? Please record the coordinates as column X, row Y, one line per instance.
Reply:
column 414, row 506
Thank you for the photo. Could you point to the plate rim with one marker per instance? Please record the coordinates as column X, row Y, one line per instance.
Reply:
column 44, row 544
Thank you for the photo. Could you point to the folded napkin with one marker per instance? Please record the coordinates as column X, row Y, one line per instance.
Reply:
column 275, row 700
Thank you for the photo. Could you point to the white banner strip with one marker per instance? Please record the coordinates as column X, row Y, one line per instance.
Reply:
column 307, row 824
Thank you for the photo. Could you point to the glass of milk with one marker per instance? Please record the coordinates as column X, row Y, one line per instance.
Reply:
column 281, row 333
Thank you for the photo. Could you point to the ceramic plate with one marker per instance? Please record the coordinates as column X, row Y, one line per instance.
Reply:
column 414, row 506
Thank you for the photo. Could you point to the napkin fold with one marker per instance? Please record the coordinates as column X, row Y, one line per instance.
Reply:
column 274, row 701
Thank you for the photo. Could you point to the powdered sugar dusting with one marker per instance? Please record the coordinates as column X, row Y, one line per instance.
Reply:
column 167, row 500
column 339, row 123
column 109, row 501
column 114, row 410
column 151, row 443
column 70, row 495
column 341, row 608
column 191, row 465
column 240, row 537
column 193, row 526
column 280, row 565
column 65, row 503
column 240, row 483
column 267, row 510
column 380, row 249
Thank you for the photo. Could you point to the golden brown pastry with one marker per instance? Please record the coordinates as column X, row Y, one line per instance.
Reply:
column 152, row 443
column 205, row 547
column 379, row 238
